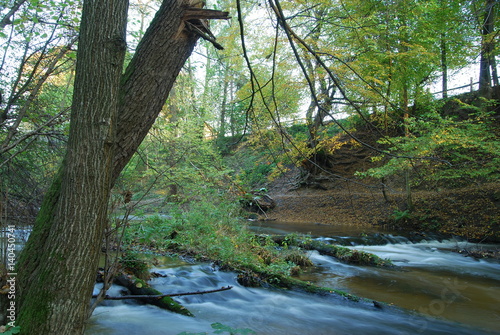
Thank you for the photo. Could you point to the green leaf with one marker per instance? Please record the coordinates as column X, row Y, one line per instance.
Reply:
column 13, row 330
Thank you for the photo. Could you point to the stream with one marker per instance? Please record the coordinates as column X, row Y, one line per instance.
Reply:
column 434, row 290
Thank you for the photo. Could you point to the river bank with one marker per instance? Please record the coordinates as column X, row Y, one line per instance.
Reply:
column 471, row 212
column 433, row 291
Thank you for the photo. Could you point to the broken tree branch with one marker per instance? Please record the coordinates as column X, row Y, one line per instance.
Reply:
column 196, row 21
column 206, row 34
column 205, row 14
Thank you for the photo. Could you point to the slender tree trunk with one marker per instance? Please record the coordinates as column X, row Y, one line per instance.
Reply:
column 55, row 272
column 233, row 121
column 311, row 141
column 487, row 47
column 444, row 66
column 492, row 44
column 222, row 127
column 409, row 200
column 494, row 72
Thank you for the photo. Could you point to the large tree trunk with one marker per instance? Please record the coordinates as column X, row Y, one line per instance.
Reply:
column 55, row 272
column 57, row 267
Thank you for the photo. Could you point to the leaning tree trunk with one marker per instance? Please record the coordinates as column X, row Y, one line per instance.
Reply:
column 149, row 77
column 57, row 267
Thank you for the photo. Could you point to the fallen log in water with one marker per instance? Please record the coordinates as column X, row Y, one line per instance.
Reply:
column 343, row 254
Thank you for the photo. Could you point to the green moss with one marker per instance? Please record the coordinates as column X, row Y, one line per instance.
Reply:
column 43, row 223
column 174, row 306
column 34, row 308
column 33, row 316
column 311, row 288
column 141, row 287
column 132, row 263
column 343, row 254
column 255, row 276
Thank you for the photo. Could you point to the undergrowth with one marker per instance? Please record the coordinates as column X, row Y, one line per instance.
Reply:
column 213, row 230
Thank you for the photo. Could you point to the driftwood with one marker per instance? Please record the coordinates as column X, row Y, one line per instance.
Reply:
column 124, row 297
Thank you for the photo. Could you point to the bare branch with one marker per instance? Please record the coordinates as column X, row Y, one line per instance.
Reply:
column 124, row 297
column 34, row 92
column 291, row 35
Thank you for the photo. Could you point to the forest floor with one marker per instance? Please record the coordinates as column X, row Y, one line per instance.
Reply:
column 337, row 197
column 343, row 203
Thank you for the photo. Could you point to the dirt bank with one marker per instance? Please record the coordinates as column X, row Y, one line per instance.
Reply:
column 345, row 204
column 472, row 212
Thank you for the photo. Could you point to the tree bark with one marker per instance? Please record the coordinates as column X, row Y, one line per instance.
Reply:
column 444, row 66
column 111, row 115
column 56, row 274
column 487, row 47
column 149, row 77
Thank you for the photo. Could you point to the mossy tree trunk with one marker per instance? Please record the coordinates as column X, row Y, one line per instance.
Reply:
column 55, row 271
column 111, row 115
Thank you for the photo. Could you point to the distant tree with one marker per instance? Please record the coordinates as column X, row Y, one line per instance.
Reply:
column 488, row 70
column 36, row 64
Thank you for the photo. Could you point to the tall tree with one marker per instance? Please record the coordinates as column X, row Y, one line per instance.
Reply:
column 487, row 63
column 56, row 268
column 56, row 274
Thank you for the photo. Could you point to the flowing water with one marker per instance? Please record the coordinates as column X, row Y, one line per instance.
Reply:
column 433, row 291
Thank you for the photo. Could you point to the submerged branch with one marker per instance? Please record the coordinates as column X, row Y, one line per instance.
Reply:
column 141, row 288
column 124, row 297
